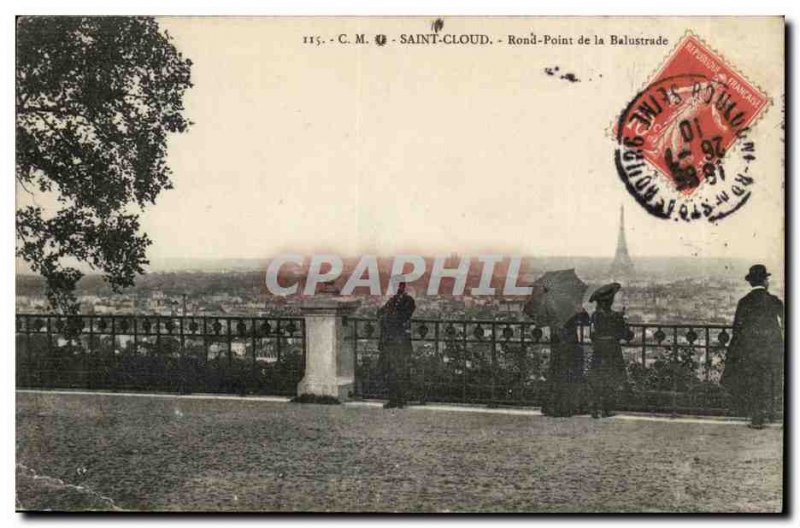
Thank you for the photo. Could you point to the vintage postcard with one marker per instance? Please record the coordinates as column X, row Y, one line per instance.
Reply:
column 400, row 264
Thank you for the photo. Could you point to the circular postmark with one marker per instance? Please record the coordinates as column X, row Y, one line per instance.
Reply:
column 683, row 147
column 683, row 151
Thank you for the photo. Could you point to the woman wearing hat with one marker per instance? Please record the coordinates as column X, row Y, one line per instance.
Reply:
column 753, row 365
column 607, row 367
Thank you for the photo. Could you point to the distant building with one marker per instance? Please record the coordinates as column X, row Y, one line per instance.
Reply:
column 622, row 267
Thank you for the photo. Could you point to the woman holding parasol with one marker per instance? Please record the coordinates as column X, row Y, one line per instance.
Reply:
column 557, row 302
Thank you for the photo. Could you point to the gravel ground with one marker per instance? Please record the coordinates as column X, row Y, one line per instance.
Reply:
column 77, row 452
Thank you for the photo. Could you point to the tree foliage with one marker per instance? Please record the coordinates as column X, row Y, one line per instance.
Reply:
column 96, row 99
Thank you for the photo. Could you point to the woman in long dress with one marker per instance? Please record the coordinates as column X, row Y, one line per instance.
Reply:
column 556, row 301
column 608, row 366
column 565, row 380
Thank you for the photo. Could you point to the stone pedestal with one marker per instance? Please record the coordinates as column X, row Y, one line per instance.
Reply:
column 330, row 364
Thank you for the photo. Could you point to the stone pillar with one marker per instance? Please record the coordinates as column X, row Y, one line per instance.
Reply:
column 330, row 363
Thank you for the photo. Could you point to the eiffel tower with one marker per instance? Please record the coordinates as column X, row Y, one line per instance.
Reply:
column 622, row 267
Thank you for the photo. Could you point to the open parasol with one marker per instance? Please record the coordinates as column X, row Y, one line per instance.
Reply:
column 556, row 297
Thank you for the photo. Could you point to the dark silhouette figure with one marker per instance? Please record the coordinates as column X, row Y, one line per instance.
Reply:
column 565, row 380
column 395, row 344
column 557, row 301
column 607, row 371
column 754, row 363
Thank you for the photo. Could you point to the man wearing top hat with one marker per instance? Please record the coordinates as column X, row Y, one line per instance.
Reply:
column 753, row 366
column 607, row 371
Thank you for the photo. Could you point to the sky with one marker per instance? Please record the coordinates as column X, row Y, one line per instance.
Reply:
column 418, row 149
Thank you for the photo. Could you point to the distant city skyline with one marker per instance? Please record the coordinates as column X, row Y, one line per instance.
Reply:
column 648, row 268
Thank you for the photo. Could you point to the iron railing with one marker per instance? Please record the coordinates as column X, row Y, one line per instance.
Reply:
column 261, row 355
column 671, row 367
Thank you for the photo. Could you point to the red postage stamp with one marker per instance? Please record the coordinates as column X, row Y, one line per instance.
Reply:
column 682, row 148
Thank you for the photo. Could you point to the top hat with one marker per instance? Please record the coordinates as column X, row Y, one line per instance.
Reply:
column 757, row 273
column 606, row 292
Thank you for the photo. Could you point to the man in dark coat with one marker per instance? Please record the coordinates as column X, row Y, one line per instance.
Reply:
column 607, row 371
column 754, row 362
column 395, row 344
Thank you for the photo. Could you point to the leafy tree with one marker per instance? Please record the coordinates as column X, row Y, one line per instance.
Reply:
column 96, row 99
